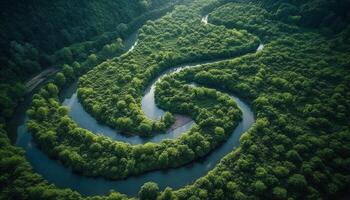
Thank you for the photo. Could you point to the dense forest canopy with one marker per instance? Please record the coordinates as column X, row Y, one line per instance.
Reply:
column 288, row 59
column 36, row 35
column 330, row 14
column 112, row 91
column 49, row 26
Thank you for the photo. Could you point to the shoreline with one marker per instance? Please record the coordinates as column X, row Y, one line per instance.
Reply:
column 180, row 120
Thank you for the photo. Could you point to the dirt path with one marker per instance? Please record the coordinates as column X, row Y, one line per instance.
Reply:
column 36, row 80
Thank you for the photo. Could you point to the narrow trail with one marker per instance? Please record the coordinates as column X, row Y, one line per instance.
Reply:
column 38, row 79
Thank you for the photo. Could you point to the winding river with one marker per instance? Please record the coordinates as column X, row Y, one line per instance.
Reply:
column 54, row 172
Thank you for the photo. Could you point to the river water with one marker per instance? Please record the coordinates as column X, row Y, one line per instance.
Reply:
column 54, row 172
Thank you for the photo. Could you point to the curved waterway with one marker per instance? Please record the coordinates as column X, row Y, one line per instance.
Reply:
column 54, row 172
column 85, row 120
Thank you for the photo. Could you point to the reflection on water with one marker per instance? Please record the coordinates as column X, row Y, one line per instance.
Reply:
column 54, row 172
column 85, row 120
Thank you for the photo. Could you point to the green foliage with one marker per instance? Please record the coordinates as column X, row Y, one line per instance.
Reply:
column 18, row 181
column 285, row 84
column 200, row 140
column 259, row 187
column 68, row 72
column 312, row 14
column 297, row 182
column 66, row 22
column 279, row 193
column 167, row 194
column 174, row 39
column 199, row 103
column 10, row 96
column 30, row 44
column 60, row 79
column 298, row 87
column 149, row 191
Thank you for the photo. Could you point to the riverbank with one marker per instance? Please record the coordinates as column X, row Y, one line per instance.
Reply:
column 191, row 171
column 180, row 120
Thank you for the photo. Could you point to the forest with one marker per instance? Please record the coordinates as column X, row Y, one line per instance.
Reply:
column 41, row 35
column 288, row 61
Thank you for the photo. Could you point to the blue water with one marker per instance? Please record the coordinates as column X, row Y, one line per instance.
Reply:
column 85, row 120
column 54, row 172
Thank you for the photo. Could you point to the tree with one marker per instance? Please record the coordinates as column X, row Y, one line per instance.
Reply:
column 68, row 71
column 144, row 4
column 297, row 182
column 124, row 123
column 168, row 119
column 232, row 186
column 60, row 79
column 286, row 10
column 279, row 193
column 193, row 197
column 259, row 187
column 67, row 55
column 164, row 158
column 145, row 127
column 92, row 59
column 63, row 110
column 121, row 104
column 76, row 67
column 281, row 171
column 167, row 194
column 111, row 49
column 219, row 133
column 122, row 28
column 294, row 156
column 52, row 89
column 240, row 195
column 260, row 172
column 42, row 112
column 149, row 191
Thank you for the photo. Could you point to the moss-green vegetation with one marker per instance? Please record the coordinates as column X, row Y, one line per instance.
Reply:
column 19, row 181
column 299, row 147
column 85, row 152
column 112, row 92
column 51, row 26
column 298, row 86
column 248, row 16
column 215, row 113
column 40, row 35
